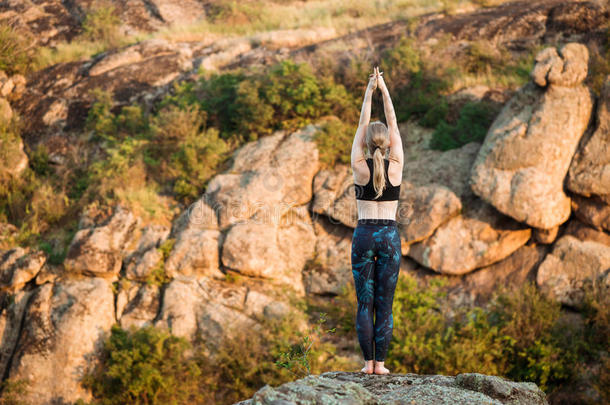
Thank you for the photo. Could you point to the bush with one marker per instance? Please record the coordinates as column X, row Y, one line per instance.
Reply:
column 334, row 142
column 15, row 50
column 472, row 125
column 286, row 96
column 421, row 89
column 519, row 335
column 144, row 366
column 102, row 24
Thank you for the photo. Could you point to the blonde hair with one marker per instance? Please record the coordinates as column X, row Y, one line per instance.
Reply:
column 377, row 142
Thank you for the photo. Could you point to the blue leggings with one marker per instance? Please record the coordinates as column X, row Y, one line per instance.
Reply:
column 375, row 267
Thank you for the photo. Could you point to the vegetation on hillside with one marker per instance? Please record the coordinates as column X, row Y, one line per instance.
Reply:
column 519, row 334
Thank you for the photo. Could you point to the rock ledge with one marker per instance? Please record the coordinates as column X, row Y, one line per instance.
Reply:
column 339, row 387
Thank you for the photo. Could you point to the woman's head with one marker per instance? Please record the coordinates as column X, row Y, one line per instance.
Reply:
column 377, row 142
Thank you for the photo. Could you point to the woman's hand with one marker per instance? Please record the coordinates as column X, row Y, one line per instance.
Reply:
column 373, row 80
column 380, row 81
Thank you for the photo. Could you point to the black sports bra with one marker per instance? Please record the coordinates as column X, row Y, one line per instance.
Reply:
column 367, row 191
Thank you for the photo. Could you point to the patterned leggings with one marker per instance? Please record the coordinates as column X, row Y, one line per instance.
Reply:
column 375, row 267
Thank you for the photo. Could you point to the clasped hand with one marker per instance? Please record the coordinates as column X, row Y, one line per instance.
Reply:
column 376, row 79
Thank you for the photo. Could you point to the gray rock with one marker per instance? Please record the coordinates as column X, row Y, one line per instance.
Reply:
column 339, row 387
column 62, row 337
column 590, row 170
column 570, row 265
column 99, row 251
column 18, row 266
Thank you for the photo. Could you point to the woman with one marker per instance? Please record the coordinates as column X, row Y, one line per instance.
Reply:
column 376, row 242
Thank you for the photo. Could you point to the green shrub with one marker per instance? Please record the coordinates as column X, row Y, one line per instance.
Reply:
column 518, row 335
column 15, row 50
column 472, row 125
column 144, row 366
column 102, row 24
column 418, row 91
column 13, row 391
column 286, row 96
column 334, row 142
column 184, row 153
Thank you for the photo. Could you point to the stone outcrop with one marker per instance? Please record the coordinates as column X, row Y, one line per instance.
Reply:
column 438, row 208
column 201, row 308
column 361, row 389
column 478, row 286
column 476, row 238
column 333, row 195
column 277, row 251
column 520, row 168
column 589, row 173
column 137, row 304
column 570, row 265
column 268, row 177
column 331, row 268
column 62, row 335
column 18, row 266
column 99, row 250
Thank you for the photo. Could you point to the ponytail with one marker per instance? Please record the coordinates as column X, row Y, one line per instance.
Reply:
column 377, row 142
column 378, row 172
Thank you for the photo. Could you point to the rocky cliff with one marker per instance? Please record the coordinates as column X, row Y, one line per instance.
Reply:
column 532, row 202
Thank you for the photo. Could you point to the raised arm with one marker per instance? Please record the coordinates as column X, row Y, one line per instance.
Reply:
column 365, row 117
column 396, row 152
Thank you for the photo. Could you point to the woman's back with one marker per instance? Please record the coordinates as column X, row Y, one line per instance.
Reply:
column 386, row 205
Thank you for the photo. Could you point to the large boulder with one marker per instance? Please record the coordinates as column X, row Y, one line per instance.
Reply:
column 63, row 331
column 593, row 211
column 520, row 168
column 434, row 190
column 340, row 387
column 137, row 304
column 570, row 265
column 479, row 286
column 267, row 178
column 590, row 170
column 18, row 266
column 476, row 238
column 331, row 268
column 99, row 250
column 274, row 248
column 197, row 243
column 334, row 195
column 204, row 309
column 11, row 317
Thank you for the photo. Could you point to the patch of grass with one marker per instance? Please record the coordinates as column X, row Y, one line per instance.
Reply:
column 15, row 50
column 102, row 24
column 157, row 275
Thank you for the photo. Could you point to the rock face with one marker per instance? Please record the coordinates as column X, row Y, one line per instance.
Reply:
column 477, row 238
column 571, row 264
column 276, row 251
column 522, row 164
column 589, row 173
column 98, row 251
column 61, row 338
column 17, row 267
column 268, row 177
column 200, row 308
column 443, row 225
column 339, row 387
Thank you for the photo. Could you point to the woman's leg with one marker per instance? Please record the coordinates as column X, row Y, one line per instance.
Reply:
column 363, row 266
column 386, row 276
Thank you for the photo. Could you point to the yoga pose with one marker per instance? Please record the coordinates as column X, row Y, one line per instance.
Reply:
column 376, row 242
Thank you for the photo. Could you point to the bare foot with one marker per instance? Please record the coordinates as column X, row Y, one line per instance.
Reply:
column 380, row 369
column 368, row 367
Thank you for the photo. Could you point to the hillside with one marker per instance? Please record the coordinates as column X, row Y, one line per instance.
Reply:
column 177, row 208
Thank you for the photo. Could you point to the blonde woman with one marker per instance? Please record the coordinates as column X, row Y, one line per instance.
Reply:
column 376, row 242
